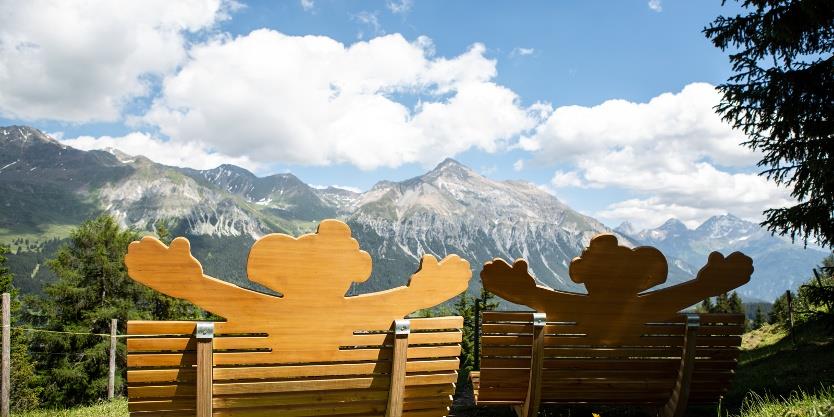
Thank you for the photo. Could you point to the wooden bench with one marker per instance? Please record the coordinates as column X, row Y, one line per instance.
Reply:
column 311, row 351
column 618, row 344
column 163, row 373
column 642, row 371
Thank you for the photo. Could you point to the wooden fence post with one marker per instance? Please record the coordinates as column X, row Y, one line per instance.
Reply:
column 205, row 363
column 7, row 340
column 111, row 376
column 790, row 317
column 402, row 329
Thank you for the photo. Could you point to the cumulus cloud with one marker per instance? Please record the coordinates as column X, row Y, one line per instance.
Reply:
column 673, row 151
column 183, row 154
column 312, row 100
column 85, row 61
column 307, row 5
column 655, row 5
column 518, row 165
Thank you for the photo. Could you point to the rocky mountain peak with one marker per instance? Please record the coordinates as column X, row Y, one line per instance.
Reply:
column 25, row 136
column 673, row 225
column 726, row 226
column 451, row 169
column 626, row 228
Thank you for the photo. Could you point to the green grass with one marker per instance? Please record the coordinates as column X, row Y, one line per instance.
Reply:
column 115, row 408
column 774, row 364
column 799, row 404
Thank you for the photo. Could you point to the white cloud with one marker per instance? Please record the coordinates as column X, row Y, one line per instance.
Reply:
column 673, row 152
column 655, row 5
column 563, row 179
column 307, row 5
column 518, row 165
column 312, row 100
column 370, row 19
column 399, row 7
column 183, row 154
column 85, row 61
column 522, row 51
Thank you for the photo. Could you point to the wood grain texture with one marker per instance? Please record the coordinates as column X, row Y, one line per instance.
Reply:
column 312, row 273
column 641, row 372
column 676, row 405
column 204, row 378
column 312, row 350
column 619, row 343
column 530, row 408
column 398, row 371
column 617, row 279
column 162, row 374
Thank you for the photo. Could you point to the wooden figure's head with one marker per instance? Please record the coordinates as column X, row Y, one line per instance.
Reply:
column 608, row 268
column 319, row 265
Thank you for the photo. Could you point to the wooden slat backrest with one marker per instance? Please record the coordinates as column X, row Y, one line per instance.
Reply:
column 579, row 370
column 310, row 351
column 161, row 376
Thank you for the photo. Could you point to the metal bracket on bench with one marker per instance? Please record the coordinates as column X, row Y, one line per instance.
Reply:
column 402, row 326
column 205, row 330
column 693, row 320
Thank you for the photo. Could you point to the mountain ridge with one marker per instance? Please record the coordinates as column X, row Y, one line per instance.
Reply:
column 449, row 209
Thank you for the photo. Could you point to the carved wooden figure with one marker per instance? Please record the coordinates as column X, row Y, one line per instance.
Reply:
column 617, row 279
column 620, row 343
column 313, row 317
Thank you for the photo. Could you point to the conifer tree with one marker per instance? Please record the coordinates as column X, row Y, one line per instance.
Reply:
column 464, row 307
column 781, row 96
column 759, row 319
column 92, row 288
column 24, row 390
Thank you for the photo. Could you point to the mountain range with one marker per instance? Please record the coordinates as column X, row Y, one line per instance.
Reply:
column 47, row 188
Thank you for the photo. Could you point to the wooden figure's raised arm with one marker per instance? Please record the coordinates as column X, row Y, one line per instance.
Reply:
column 514, row 283
column 433, row 283
column 718, row 276
column 172, row 270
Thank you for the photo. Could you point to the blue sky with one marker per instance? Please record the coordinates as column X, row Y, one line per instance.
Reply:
column 607, row 105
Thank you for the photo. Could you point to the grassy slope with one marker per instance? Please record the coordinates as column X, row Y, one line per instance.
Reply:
column 776, row 365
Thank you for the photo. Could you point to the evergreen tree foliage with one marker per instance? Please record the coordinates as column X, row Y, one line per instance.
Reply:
column 759, row 320
column 781, row 96
column 24, row 392
column 466, row 307
column 724, row 303
column 706, row 306
column 92, row 288
column 818, row 292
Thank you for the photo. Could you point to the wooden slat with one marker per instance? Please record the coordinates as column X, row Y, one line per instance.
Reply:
column 244, row 358
column 327, row 384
